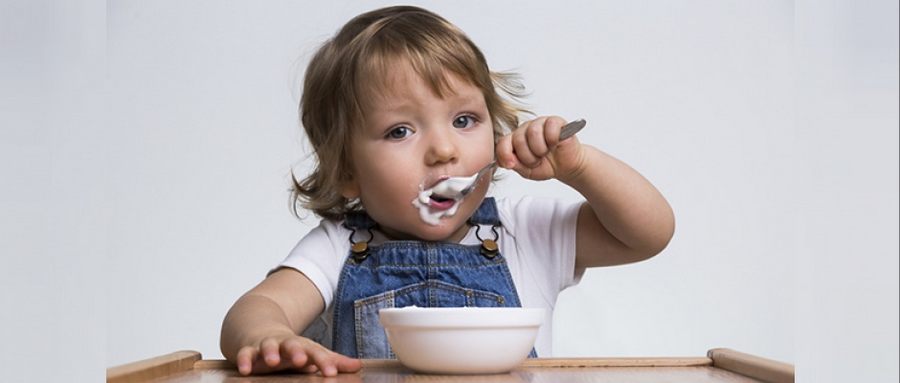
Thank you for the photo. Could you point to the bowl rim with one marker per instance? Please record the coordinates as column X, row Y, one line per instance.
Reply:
column 461, row 317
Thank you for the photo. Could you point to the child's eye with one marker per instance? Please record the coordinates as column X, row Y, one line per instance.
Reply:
column 463, row 121
column 399, row 132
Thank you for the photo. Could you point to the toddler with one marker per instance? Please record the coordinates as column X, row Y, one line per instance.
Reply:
column 398, row 101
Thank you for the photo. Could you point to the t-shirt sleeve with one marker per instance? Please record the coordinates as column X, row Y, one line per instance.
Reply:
column 547, row 228
column 320, row 255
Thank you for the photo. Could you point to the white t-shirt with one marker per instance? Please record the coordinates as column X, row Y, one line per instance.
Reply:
column 537, row 239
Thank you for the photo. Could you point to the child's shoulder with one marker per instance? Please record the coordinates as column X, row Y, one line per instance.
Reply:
column 328, row 234
column 331, row 227
column 338, row 232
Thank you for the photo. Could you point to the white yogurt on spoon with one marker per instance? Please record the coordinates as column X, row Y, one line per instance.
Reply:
column 453, row 186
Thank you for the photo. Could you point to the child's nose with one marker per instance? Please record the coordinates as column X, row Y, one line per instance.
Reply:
column 442, row 146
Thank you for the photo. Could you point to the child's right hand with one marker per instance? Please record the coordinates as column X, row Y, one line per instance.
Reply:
column 259, row 333
column 291, row 352
column 535, row 152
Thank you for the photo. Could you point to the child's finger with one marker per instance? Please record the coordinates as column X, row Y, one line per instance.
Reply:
column 269, row 348
column 331, row 363
column 536, row 137
column 324, row 360
column 309, row 369
column 521, row 148
column 245, row 357
column 504, row 151
column 348, row 364
column 293, row 351
column 552, row 128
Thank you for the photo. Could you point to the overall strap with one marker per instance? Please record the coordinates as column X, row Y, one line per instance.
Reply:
column 359, row 220
column 486, row 214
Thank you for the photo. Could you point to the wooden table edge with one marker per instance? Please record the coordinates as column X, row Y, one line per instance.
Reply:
column 157, row 367
column 756, row 367
column 752, row 366
column 213, row 364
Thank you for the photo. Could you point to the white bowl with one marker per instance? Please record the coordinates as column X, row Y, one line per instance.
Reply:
column 461, row 340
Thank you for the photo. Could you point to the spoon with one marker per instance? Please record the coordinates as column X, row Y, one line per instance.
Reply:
column 464, row 185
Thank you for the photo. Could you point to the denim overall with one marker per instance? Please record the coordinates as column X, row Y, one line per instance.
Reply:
column 406, row 273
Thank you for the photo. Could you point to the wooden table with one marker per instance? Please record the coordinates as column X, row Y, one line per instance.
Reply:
column 720, row 365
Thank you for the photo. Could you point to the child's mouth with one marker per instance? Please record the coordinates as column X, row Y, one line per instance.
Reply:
column 439, row 202
column 435, row 204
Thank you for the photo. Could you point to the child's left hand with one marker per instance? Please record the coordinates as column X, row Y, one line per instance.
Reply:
column 534, row 151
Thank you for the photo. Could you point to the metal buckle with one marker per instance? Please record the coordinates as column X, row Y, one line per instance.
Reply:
column 489, row 247
column 360, row 250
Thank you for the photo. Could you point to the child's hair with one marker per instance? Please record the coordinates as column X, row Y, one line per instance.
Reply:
column 353, row 65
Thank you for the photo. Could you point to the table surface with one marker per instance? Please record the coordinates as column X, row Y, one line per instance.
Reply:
column 720, row 365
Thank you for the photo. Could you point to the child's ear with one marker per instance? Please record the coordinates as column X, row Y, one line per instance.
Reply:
column 350, row 189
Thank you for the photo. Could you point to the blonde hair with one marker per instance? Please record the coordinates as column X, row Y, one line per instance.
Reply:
column 353, row 64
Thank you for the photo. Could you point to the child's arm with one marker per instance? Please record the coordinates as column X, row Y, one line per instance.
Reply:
column 625, row 218
column 259, row 333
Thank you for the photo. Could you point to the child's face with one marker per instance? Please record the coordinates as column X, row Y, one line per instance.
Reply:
column 410, row 138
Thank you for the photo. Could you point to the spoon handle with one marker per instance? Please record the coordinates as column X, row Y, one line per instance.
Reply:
column 571, row 128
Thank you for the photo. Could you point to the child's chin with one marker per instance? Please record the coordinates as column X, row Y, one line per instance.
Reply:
column 443, row 231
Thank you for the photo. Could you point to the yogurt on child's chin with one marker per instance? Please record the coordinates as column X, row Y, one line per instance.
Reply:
column 430, row 210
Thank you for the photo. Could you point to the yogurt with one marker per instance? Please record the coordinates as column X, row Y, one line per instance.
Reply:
column 453, row 186
column 448, row 194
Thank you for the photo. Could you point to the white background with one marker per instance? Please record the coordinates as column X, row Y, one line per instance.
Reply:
column 145, row 150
